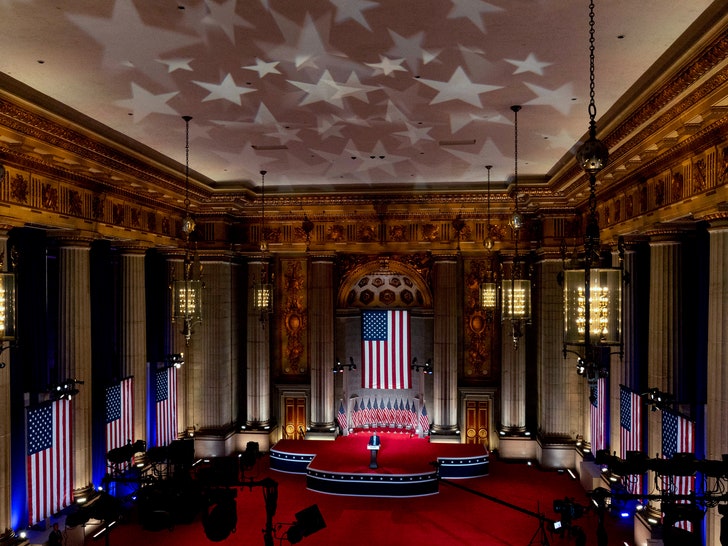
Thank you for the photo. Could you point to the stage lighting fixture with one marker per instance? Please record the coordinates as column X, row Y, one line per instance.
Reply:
column 568, row 509
column 308, row 521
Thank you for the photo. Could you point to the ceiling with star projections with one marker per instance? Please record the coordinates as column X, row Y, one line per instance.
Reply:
column 330, row 95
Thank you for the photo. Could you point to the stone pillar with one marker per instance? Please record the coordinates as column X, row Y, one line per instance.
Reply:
column 258, row 357
column 5, row 437
column 321, row 330
column 445, row 328
column 133, row 338
column 177, row 345
column 717, row 407
column 561, row 389
column 74, row 349
column 214, row 367
column 665, row 334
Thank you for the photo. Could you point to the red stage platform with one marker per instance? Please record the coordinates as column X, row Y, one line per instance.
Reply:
column 406, row 466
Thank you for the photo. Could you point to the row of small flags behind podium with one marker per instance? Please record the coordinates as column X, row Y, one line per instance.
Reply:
column 377, row 412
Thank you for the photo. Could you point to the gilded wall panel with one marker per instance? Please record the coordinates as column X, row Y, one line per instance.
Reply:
column 293, row 317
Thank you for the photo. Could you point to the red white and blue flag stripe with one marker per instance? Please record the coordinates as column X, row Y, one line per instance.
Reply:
column 630, row 431
column 678, row 436
column 166, row 405
column 386, row 349
column 341, row 418
column 50, row 460
column 120, row 415
column 598, row 414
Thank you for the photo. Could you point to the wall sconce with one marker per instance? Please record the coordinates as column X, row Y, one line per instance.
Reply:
column 426, row 367
column 339, row 367
column 8, row 308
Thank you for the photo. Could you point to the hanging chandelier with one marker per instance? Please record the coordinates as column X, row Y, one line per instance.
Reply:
column 187, row 292
column 592, row 292
column 488, row 295
column 263, row 289
column 517, row 290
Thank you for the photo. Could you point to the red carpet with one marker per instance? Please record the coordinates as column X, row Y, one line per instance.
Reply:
column 451, row 517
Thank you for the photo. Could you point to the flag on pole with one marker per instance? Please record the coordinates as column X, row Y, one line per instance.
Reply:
column 341, row 417
column 678, row 436
column 356, row 415
column 50, row 470
column 386, row 350
column 424, row 421
column 166, row 405
column 120, row 415
column 598, row 412
column 630, row 431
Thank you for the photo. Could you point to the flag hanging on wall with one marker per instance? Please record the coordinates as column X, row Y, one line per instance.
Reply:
column 385, row 349
column 166, row 405
column 598, row 414
column 50, row 469
column 120, row 414
column 678, row 436
column 630, row 431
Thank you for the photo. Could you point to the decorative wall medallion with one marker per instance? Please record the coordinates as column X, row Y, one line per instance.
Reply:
column 19, row 188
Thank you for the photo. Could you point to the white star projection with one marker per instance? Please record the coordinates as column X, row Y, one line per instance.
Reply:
column 227, row 89
column 336, row 79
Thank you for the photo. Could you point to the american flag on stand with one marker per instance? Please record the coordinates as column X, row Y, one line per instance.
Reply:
column 356, row 415
column 50, row 461
column 424, row 420
column 369, row 414
column 630, row 431
column 166, row 405
column 396, row 414
column 389, row 412
column 598, row 413
column 381, row 411
column 341, row 417
column 678, row 436
column 385, row 350
column 120, row 416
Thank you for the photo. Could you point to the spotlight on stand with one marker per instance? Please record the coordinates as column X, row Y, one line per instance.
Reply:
column 426, row 367
column 174, row 360
column 339, row 367
column 65, row 390
column 308, row 521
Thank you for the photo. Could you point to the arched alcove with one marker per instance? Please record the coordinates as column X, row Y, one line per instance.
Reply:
column 386, row 283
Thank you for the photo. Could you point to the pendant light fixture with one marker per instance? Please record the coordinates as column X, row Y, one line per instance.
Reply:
column 187, row 292
column 517, row 290
column 592, row 294
column 263, row 289
column 488, row 288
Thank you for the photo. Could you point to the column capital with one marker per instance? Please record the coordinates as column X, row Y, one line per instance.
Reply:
column 674, row 232
column 130, row 248
column 73, row 239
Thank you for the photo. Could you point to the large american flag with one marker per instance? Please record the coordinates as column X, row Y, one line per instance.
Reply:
column 50, row 469
column 598, row 414
column 120, row 414
column 166, row 406
column 678, row 436
column 630, row 431
column 386, row 350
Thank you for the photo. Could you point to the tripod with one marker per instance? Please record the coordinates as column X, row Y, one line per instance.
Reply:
column 539, row 537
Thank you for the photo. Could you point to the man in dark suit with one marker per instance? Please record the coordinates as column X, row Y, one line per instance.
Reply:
column 373, row 447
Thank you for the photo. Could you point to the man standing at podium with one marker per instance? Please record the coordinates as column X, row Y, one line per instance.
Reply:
column 373, row 447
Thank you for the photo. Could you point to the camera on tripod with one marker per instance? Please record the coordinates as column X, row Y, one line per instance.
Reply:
column 569, row 511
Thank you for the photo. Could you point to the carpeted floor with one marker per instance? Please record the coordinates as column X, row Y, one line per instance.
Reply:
column 454, row 516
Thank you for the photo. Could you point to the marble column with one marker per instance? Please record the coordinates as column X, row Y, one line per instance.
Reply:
column 445, row 328
column 176, row 344
column 214, row 370
column 513, row 374
column 133, row 338
column 717, row 407
column 5, row 437
column 74, row 349
column 562, row 392
column 321, row 342
column 665, row 332
column 258, row 357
